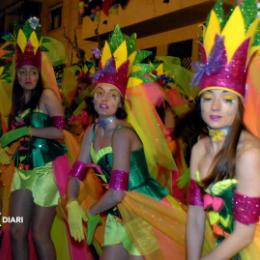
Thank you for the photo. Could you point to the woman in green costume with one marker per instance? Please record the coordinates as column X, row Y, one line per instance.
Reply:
column 112, row 146
column 36, row 123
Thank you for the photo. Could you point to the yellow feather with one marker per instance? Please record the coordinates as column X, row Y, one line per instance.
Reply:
column 92, row 70
column 213, row 28
column 132, row 82
column 21, row 40
column 159, row 69
column 234, row 32
column 120, row 54
column 131, row 58
column 135, row 68
column 34, row 41
column 85, row 68
column 106, row 54
column 1, row 70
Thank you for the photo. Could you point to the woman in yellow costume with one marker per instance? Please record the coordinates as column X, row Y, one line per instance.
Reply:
column 36, row 124
column 141, row 221
column 225, row 177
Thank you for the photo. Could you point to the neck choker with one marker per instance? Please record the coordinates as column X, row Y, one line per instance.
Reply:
column 218, row 135
column 104, row 122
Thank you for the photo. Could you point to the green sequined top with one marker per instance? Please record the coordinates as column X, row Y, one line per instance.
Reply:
column 139, row 177
column 218, row 202
column 35, row 151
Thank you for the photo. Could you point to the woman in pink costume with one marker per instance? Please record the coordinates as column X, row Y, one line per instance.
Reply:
column 224, row 186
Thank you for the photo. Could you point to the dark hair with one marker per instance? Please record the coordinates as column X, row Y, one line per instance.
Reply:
column 189, row 127
column 120, row 113
column 225, row 161
column 18, row 99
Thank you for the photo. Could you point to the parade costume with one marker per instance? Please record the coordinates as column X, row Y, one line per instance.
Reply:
column 228, row 46
column 38, row 164
column 147, row 221
column 35, row 155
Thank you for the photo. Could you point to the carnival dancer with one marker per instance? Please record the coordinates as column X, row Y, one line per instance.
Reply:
column 36, row 124
column 141, row 221
column 225, row 165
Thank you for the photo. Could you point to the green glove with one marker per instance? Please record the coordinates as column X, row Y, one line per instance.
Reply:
column 75, row 217
column 15, row 134
column 93, row 221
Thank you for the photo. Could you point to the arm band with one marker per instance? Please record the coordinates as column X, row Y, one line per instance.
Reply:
column 195, row 195
column 119, row 180
column 79, row 169
column 246, row 209
column 58, row 122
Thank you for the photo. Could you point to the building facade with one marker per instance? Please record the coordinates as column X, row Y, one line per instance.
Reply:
column 167, row 27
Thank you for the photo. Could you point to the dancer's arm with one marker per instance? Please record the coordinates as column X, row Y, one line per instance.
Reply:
column 121, row 145
column 82, row 161
column 248, row 176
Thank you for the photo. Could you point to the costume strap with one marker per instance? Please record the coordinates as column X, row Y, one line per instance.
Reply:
column 195, row 195
column 246, row 208
column 119, row 180
column 58, row 121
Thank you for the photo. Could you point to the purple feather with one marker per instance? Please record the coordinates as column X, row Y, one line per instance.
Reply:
column 215, row 63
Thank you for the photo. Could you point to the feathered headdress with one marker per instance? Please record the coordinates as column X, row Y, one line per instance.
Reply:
column 25, row 46
column 123, row 66
column 86, row 71
column 228, row 44
column 120, row 62
column 28, row 50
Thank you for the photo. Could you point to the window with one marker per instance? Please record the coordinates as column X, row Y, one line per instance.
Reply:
column 183, row 50
column 55, row 17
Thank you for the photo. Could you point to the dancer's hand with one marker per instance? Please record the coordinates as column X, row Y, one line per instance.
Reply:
column 75, row 217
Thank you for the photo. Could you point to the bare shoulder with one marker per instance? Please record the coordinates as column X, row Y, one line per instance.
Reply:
column 50, row 103
column 88, row 134
column 122, row 134
column 48, row 94
column 200, row 148
column 248, row 164
column 125, row 130
column 127, row 137
column 248, row 146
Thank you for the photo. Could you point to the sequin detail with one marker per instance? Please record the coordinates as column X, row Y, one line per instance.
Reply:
column 195, row 196
column 246, row 209
column 78, row 170
column 58, row 121
column 119, row 180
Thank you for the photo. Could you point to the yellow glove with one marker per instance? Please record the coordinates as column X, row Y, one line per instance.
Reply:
column 75, row 217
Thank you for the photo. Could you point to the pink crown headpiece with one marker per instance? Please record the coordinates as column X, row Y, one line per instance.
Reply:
column 28, row 45
column 28, row 56
column 226, row 49
column 121, row 64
